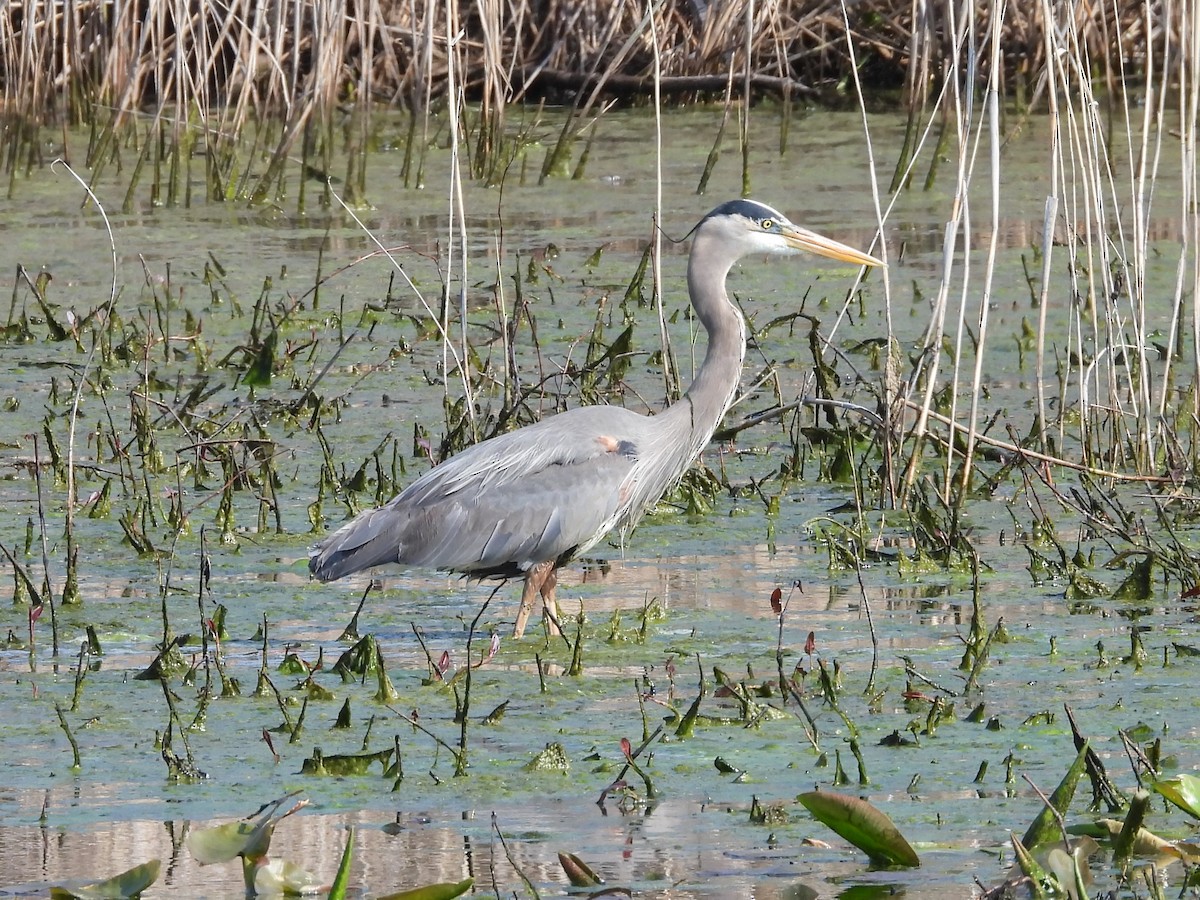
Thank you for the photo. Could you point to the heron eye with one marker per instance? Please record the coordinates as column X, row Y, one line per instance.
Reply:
column 768, row 224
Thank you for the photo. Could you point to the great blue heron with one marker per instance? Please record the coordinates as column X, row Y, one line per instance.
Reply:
column 524, row 503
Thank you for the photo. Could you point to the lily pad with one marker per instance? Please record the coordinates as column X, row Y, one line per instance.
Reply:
column 1183, row 791
column 443, row 891
column 129, row 883
column 863, row 825
column 250, row 840
column 578, row 872
column 222, row 843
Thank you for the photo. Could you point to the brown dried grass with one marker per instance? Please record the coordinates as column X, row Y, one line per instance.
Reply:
column 64, row 61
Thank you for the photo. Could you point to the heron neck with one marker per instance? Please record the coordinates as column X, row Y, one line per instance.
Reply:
column 711, row 393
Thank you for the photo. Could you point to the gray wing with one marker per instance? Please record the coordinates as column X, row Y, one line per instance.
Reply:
column 544, row 492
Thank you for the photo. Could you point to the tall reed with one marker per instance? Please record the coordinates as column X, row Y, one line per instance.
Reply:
column 1107, row 392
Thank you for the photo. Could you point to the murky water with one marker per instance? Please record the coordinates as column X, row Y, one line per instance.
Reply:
column 707, row 577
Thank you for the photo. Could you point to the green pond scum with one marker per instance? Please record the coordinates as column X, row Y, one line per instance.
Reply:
column 853, row 654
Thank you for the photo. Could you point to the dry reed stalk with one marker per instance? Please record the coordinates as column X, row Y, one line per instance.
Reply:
column 671, row 385
column 925, row 374
column 456, row 232
column 892, row 405
column 1189, row 125
column 1097, row 324
column 1105, row 162
column 242, row 49
column 992, row 113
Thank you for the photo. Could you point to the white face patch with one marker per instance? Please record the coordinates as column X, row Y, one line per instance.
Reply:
column 768, row 241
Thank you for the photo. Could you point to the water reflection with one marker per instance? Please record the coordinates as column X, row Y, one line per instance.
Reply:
column 672, row 851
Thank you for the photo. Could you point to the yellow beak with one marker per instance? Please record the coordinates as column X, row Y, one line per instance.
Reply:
column 803, row 239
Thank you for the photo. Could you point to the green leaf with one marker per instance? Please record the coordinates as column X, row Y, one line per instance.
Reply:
column 249, row 840
column 337, row 891
column 1183, row 791
column 1138, row 584
column 579, row 873
column 259, row 373
column 345, row 765
column 1038, row 877
column 552, row 759
column 444, row 891
column 867, row 828
column 1071, row 869
column 128, row 884
column 225, row 842
column 1044, row 827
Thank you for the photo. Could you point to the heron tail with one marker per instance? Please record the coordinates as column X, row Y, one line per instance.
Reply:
column 361, row 544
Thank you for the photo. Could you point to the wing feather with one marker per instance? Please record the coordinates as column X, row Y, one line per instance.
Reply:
column 544, row 492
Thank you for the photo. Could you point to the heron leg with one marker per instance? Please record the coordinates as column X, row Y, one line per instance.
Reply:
column 549, row 603
column 534, row 579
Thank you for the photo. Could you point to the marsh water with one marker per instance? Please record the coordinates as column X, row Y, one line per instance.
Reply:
column 689, row 590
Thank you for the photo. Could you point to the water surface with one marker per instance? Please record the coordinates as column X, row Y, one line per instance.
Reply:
column 573, row 246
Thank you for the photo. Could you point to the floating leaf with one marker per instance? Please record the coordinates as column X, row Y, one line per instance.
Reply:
column 444, row 891
column 259, row 373
column 725, row 768
column 552, row 759
column 1188, row 852
column 578, row 872
column 343, row 765
column 1071, row 869
column 1146, row 844
column 1138, row 584
column 863, row 825
column 494, row 717
column 249, row 840
column 1183, row 791
column 225, row 842
column 128, row 884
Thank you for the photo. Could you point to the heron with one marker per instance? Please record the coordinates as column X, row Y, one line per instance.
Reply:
column 523, row 504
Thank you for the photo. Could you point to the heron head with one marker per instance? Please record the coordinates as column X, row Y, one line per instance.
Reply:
column 748, row 226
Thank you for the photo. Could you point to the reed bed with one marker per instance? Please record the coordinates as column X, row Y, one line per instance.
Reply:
column 66, row 62
column 1112, row 366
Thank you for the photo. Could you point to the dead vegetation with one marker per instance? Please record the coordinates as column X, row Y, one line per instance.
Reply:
column 237, row 60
